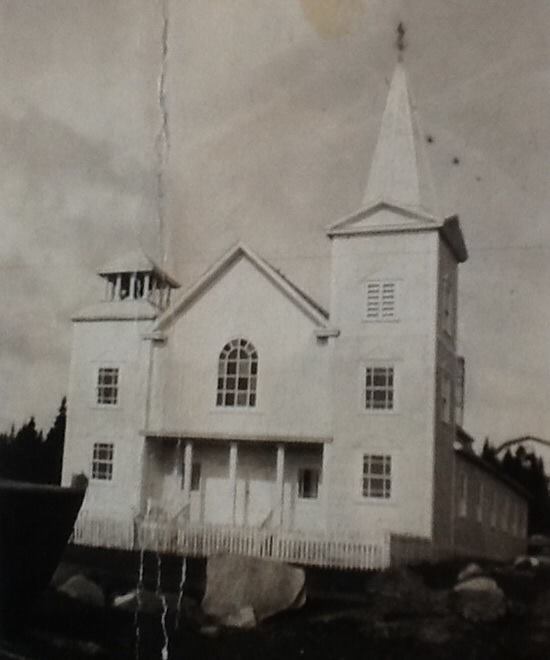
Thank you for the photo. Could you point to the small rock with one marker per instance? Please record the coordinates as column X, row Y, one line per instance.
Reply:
column 526, row 562
column 469, row 572
column 149, row 602
column 244, row 618
column 210, row 631
column 435, row 632
column 82, row 589
column 480, row 583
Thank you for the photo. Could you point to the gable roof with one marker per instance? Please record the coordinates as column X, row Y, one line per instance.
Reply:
column 304, row 302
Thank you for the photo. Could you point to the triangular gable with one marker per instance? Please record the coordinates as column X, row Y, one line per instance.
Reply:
column 311, row 309
column 397, row 219
column 383, row 216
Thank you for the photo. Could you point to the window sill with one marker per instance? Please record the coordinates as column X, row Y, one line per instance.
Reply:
column 105, row 406
column 235, row 410
column 395, row 320
column 376, row 501
column 382, row 413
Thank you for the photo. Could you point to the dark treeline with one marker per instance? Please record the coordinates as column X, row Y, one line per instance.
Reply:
column 527, row 469
column 26, row 455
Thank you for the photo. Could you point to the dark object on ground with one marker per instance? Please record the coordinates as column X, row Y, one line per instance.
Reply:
column 268, row 587
column 35, row 523
column 402, row 593
column 479, row 599
column 85, row 590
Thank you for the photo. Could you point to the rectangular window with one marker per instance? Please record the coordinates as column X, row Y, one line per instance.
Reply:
column 463, row 495
column 446, row 397
column 195, row 476
column 379, row 388
column 102, row 461
column 504, row 515
column 308, row 483
column 448, row 303
column 494, row 509
column 381, row 300
column 107, row 386
column 479, row 506
column 514, row 518
column 377, row 476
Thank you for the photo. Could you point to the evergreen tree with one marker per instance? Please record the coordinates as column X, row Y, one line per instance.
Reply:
column 55, row 442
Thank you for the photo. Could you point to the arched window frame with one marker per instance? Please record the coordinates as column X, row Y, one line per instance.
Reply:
column 237, row 375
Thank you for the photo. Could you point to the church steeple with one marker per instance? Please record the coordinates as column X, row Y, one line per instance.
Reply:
column 400, row 174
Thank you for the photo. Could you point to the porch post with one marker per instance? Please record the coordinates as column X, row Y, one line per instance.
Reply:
column 279, row 485
column 187, row 469
column 132, row 293
column 233, row 458
column 324, row 484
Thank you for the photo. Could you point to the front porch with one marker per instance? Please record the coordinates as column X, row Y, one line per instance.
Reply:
column 250, row 483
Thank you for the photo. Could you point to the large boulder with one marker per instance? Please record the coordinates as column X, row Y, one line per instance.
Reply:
column 479, row 599
column 234, row 583
column 84, row 590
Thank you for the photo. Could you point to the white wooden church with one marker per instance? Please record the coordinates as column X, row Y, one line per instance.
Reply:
column 241, row 415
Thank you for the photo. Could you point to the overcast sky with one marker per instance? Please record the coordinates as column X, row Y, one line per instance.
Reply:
column 273, row 110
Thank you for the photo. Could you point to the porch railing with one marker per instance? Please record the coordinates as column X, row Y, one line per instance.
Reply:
column 323, row 549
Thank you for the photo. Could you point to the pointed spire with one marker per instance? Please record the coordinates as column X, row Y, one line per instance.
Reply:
column 400, row 174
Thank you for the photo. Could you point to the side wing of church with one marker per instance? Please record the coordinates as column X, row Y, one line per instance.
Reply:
column 243, row 416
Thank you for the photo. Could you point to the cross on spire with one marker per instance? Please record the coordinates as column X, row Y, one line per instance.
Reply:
column 400, row 41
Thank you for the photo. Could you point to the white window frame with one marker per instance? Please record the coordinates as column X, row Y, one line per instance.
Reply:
column 448, row 303
column 316, row 472
column 446, row 397
column 514, row 518
column 494, row 509
column 229, row 394
column 372, row 388
column 504, row 514
column 480, row 500
column 381, row 300
column 100, row 399
column 103, row 467
column 384, row 473
column 463, row 495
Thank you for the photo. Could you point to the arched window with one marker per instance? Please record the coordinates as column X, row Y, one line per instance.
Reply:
column 237, row 374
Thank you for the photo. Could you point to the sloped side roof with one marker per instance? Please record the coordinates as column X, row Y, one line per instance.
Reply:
column 136, row 262
column 312, row 309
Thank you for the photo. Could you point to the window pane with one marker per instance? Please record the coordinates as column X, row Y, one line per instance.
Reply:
column 241, row 398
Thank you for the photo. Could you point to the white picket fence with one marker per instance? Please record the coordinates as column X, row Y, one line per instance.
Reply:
column 329, row 550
